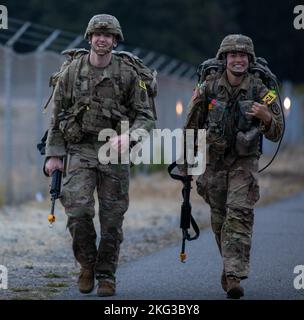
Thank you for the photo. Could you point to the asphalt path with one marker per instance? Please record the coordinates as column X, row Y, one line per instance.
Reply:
column 277, row 248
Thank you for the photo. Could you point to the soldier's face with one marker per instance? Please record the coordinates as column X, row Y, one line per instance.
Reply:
column 237, row 62
column 102, row 43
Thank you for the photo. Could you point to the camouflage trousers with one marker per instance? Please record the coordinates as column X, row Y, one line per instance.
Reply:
column 231, row 194
column 84, row 175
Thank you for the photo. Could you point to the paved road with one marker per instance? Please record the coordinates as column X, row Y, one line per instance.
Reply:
column 278, row 246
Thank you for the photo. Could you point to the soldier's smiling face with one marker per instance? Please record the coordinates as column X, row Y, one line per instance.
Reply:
column 102, row 42
column 237, row 62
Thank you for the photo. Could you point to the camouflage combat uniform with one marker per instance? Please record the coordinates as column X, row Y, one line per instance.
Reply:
column 229, row 185
column 101, row 98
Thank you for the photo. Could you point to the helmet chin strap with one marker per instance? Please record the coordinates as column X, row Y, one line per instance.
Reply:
column 238, row 74
column 104, row 52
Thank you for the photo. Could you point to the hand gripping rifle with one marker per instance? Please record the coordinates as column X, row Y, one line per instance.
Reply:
column 186, row 216
column 56, row 180
column 55, row 193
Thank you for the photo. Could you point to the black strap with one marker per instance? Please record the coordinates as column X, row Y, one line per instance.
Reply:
column 185, row 179
column 195, row 228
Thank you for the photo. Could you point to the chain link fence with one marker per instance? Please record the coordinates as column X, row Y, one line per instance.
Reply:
column 29, row 54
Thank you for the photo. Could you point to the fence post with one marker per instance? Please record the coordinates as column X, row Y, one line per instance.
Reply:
column 8, row 149
column 39, row 99
column 8, row 146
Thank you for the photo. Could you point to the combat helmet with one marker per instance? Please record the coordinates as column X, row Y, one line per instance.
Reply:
column 236, row 42
column 106, row 23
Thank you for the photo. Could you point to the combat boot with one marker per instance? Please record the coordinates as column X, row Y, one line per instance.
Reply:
column 234, row 289
column 106, row 288
column 86, row 280
column 224, row 281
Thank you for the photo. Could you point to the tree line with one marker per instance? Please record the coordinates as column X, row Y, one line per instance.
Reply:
column 190, row 30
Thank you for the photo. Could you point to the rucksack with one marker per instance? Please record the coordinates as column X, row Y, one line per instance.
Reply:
column 147, row 75
column 260, row 69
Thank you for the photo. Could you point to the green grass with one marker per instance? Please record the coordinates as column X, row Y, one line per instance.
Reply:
column 57, row 285
column 52, row 290
column 2, row 196
column 52, row 275
column 22, row 298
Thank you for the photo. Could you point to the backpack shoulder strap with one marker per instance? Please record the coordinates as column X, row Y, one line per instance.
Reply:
column 256, row 83
column 73, row 62
column 117, row 83
column 212, row 85
column 73, row 71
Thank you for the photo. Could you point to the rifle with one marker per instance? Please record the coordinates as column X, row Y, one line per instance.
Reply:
column 186, row 216
column 56, row 180
column 55, row 193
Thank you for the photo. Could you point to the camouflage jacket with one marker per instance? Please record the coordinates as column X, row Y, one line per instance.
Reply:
column 100, row 99
column 221, row 109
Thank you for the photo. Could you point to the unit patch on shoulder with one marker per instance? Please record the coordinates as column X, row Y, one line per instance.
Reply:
column 275, row 109
column 269, row 97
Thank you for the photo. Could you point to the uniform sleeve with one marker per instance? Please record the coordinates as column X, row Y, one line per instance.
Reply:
column 195, row 117
column 55, row 144
column 196, row 108
column 139, row 104
column 274, row 130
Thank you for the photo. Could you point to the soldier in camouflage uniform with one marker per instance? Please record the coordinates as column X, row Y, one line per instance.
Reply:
column 229, row 106
column 105, row 90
